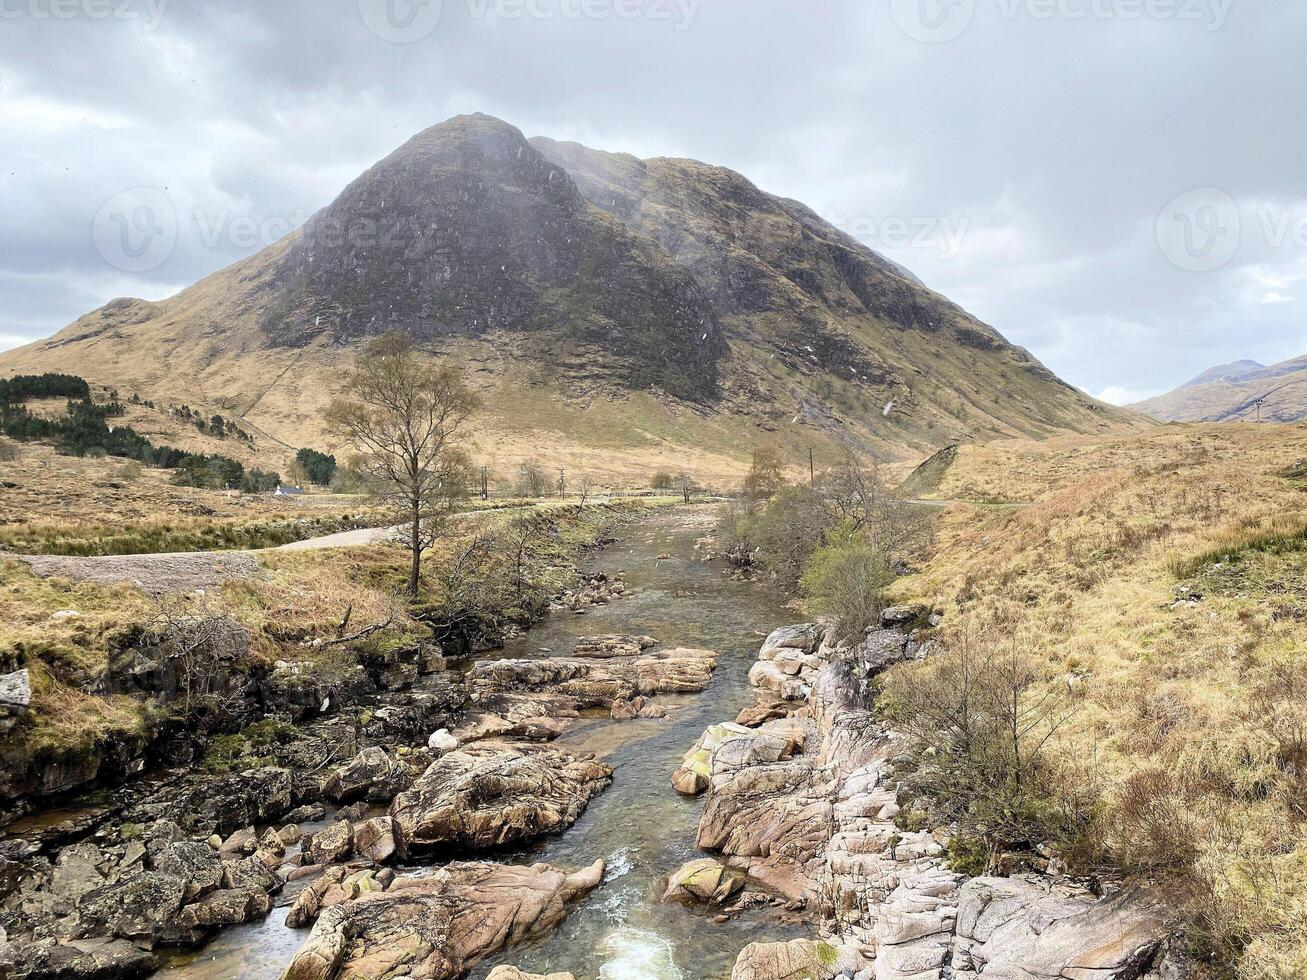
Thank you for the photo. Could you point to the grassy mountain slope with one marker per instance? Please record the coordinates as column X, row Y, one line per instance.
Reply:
column 1230, row 392
column 618, row 315
column 1160, row 578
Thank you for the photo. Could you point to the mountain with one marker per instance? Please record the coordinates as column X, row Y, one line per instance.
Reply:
column 1234, row 371
column 1231, row 392
column 618, row 315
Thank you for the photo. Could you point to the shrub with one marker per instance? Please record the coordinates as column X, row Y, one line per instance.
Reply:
column 978, row 715
column 789, row 530
column 8, row 451
column 737, row 532
column 846, row 581
column 662, row 480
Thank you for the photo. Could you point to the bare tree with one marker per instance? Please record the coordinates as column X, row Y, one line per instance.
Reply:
column 532, row 481
column 684, row 482
column 201, row 650
column 860, row 499
column 403, row 413
column 584, row 488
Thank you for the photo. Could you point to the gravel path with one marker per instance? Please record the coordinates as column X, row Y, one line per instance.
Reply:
column 188, row 571
column 155, row 574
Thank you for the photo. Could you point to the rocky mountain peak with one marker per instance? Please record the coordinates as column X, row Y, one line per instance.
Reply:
column 467, row 229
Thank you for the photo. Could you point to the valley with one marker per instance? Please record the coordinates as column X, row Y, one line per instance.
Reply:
column 552, row 563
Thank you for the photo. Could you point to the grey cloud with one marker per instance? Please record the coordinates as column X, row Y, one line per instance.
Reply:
column 1053, row 144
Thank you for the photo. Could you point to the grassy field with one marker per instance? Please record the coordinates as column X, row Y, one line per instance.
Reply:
column 1162, row 580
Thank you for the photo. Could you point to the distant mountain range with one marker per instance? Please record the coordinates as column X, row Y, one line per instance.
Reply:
column 663, row 312
column 1241, row 391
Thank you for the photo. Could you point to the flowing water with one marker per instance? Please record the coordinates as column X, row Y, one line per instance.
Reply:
column 640, row 825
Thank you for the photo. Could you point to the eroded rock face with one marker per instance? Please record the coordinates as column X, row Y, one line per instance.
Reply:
column 437, row 927
column 15, row 696
column 820, row 827
column 727, row 747
column 494, row 798
column 799, row 959
column 223, row 805
column 881, row 649
column 1026, row 927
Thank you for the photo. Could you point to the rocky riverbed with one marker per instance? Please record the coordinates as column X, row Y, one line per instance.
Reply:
column 541, row 808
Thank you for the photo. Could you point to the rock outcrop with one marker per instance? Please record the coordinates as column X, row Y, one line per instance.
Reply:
column 439, row 926
column 818, row 827
column 494, row 797
column 724, row 748
column 1030, row 927
column 15, row 696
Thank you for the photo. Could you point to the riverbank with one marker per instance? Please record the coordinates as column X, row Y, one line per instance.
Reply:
column 111, row 679
column 801, row 800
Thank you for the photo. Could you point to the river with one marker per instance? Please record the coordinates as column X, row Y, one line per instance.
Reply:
column 640, row 825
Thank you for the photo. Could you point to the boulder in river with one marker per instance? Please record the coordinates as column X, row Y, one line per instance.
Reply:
column 704, row 880
column 438, row 926
column 442, row 741
column 141, row 907
column 494, row 798
column 374, row 840
column 513, row 973
column 372, row 774
column 804, row 637
column 76, row 959
column 331, row 844
column 195, row 862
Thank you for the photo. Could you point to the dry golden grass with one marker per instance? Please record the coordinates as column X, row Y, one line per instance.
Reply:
column 48, row 494
column 1191, row 716
column 66, row 653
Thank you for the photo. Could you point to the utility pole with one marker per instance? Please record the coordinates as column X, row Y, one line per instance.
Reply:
column 485, row 484
column 562, row 484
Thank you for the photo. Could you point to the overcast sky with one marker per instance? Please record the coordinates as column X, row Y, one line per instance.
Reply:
column 1115, row 184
